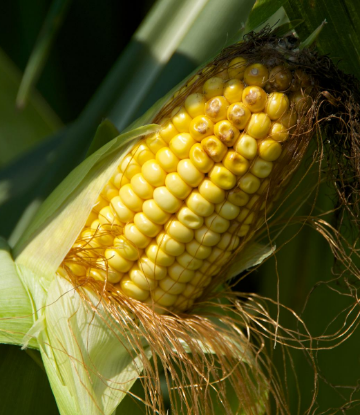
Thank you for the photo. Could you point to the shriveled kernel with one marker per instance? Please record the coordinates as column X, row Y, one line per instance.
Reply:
column 153, row 211
column 279, row 78
column 153, row 173
column 276, row 105
column 236, row 163
column 167, row 130
column 151, row 270
column 256, row 74
column 200, row 159
column 119, row 180
column 216, row 108
column 245, row 217
column 180, row 274
column 130, row 198
column 172, row 287
column 189, row 218
column 207, row 237
column 167, row 159
column 142, row 187
column 228, row 242
column 214, row 148
column 217, row 223
column 289, row 119
column 211, row 192
column 158, row 256
column 254, row 199
column 132, row 290
column 239, row 114
column 227, row 210
column 126, row 248
column 166, row 200
column 169, row 245
column 130, row 167
column 213, row 87
column 155, row 142
column 278, row 132
column 219, row 256
column 107, row 216
column 189, row 262
column 199, row 204
column 201, row 127
column 226, row 132
column 99, row 204
column 222, row 177
column 249, row 183
column 189, row 173
column 238, row 197
column 181, row 119
column 179, row 232
column 134, row 235
column 261, row 168
column 122, row 211
column 163, row 298
column 109, row 192
column 301, row 101
column 259, row 125
column 117, row 261
column 181, row 144
column 139, row 278
column 237, row 67
column 142, row 153
column 233, row 90
column 176, row 185
column 197, row 250
column 195, row 105
column 269, row 150
column 200, row 280
column 146, row 226
column 254, row 98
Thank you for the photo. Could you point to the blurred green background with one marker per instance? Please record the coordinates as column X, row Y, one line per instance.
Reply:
column 93, row 61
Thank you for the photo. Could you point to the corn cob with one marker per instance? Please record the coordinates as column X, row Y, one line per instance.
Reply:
column 184, row 200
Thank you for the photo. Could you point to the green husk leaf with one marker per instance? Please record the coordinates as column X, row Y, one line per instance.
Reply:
column 104, row 133
column 287, row 28
column 264, row 12
column 310, row 40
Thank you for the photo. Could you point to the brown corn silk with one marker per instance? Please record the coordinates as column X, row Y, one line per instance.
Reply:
column 186, row 201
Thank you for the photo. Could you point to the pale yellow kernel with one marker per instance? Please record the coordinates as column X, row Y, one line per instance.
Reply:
column 227, row 210
column 166, row 200
column 213, row 87
column 236, row 163
column 233, row 90
column 181, row 119
column 154, row 212
column 134, row 235
column 209, row 268
column 167, row 130
column 181, row 144
column 249, row 183
column 222, row 177
column 289, row 119
column 216, row 108
column 130, row 167
column 200, row 159
column 122, row 211
column 247, row 146
column 264, row 187
column 207, row 237
column 130, row 289
column 180, row 274
column 182, row 303
column 228, row 242
column 142, row 187
column 126, row 248
column 189, row 262
column 104, row 232
column 195, row 104
column 107, row 216
column 167, row 159
column 158, row 256
column 200, row 280
column 117, row 261
column 92, row 216
column 254, row 98
column 146, row 226
column 179, row 231
column 109, row 191
column 239, row 114
column 243, row 230
column 192, row 292
column 201, row 127
column 218, row 255
column 197, row 250
column 130, row 198
column 246, row 217
column 189, row 173
column 261, row 168
column 269, row 150
column 277, row 104
column 189, row 218
column 75, row 268
column 278, row 132
column 199, row 204
column 253, row 201
column 142, row 153
column 169, row 245
column 256, row 74
column 214, row 148
column 211, row 192
column 163, row 298
column 217, row 223
column 99, row 204
column 139, row 278
column 238, row 197
column 155, row 142
column 193, row 80
column 119, row 180
column 237, row 67
column 172, row 287
column 150, row 269
column 226, row 132
column 153, row 173
column 176, row 185
column 259, row 125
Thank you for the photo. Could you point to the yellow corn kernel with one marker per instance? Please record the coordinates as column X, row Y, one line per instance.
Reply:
column 105, row 273
column 259, row 125
column 261, row 168
column 289, row 119
column 237, row 67
column 238, row 197
column 158, row 256
column 211, row 192
column 218, row 256
column 228, row 242
column 181, row 119
column 182, row 303
column 222, row 177
column 180, row 274
column 227, row 210
column 167, row 159
column 166, row 200
column 198, row 250
column 122, row 211
column 179, row 232
column 195, row 105
column 200, row 159
column 200, row 280
column 213, row 87
column 209, row 269
column 130, row 167
column 75, row 268
column 280, row 78
column 141, row 153
column 239, row 114
column 256, row 74
column 189, row 262
column 92, row 216
column 233, row 90
column 189, row 173
column 163, row 298
column 278, row 132
column 100, row 204
column 109, row 192
column 216, row 108
column 247, row 146
column 141, row 187
column 181, row 144
column 226, row 132
column 145, row 225
column 217, row 223
column 206, row 236
column 119, row 180
column 169, row 245
column 102, row 234
column 236, row 163
column 107, row 216
column 249, row 183
column 214, row 148
column 130, row 289
column 189, row 218
column 153, row 173
column 155, row 142
column 130, row 198
column 199, row 204
column 117, row 261
column 139, row 278
column 176, row 185
column 167, row 130
column 201, row 127
column 246, row 217
column 126, row 249
column 134, row 235
column 172, row 287
column 254, row 98
column 276, row 105
column 151, row 270
column 301, row 101
column 254, row 199
column 269, row 150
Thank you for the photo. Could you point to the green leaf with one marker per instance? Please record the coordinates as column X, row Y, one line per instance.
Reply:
column 104, row 133
column 264, row 12
column 287, row 28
